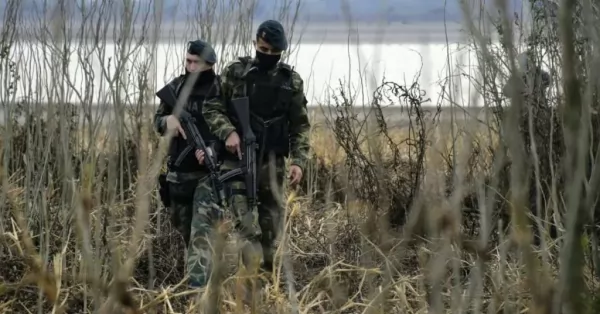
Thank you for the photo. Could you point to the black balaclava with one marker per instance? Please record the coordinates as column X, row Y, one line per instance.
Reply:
column 267, row 61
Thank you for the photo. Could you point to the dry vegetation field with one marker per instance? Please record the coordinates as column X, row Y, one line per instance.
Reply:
column 339, row 248
column 430, row 213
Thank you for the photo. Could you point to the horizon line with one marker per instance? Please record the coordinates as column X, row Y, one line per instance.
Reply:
column 326, row 32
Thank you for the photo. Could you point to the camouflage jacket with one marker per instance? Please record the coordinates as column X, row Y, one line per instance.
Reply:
column 216, row 113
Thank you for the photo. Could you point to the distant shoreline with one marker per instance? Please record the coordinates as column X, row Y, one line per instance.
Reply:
column 313, row 33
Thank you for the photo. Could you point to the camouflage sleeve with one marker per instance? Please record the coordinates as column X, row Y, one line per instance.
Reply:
column 215, row 109
column 160, row 117
column 299, row 124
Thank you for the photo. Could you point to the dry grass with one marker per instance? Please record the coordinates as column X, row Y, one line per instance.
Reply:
column 336, row 265
column 433, row 217
column 327, row 248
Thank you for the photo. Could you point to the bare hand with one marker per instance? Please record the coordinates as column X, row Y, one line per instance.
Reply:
column 173, row 124
column 200, row 156
column 295, row 174
column 232, row 144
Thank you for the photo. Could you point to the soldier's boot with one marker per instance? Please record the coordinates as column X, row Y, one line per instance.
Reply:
column 251, row 260
column 267, row 265
column 268, row 249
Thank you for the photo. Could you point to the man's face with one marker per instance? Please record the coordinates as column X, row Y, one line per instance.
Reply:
column 265, row 47
column 194, row 63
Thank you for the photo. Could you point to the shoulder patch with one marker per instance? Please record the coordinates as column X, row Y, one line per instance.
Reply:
column 296, row 79
column 286, row 67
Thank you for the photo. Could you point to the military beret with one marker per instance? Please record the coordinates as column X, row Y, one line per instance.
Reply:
column 272, row 32
column 202, row 49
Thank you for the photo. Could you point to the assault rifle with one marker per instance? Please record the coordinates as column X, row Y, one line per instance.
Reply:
column 195, row 141
column 241, row 106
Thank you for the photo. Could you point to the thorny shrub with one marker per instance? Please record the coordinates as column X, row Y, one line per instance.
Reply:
column 390, row 172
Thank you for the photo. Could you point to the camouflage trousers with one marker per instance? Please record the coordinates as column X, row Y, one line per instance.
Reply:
column 258, row 226
column 194, row 214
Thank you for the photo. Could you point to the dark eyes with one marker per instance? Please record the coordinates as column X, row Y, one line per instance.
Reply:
column 267, row 50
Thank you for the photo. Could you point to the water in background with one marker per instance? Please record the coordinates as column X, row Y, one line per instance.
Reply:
column 359, row 67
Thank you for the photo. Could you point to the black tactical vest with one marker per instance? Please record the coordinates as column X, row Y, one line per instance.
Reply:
column 270, row 97
column 179, row 148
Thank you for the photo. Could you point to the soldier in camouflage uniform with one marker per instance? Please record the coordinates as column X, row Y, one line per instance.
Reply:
column 279, row 119
column 192, row 206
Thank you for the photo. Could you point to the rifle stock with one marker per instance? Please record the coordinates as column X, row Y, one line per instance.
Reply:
column 241, row 106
